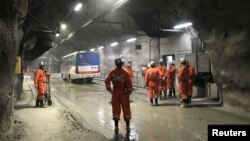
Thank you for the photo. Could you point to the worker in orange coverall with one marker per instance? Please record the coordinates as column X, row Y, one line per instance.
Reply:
column 163, row 83
column 190, row 81
column 171, row 79
column 130, row 69
column 182, row 76
column 122, row 88
column 152, row 81
column 40, row 84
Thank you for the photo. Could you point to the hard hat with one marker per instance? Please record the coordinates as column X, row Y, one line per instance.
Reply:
column 123, row 61
column 129, row 65
column 152, row 63
column 118, row 61
column 129, row 61
column 182, row 60
column 42, row 63
column 149, row 65
column 121, row 56
column 161, row 60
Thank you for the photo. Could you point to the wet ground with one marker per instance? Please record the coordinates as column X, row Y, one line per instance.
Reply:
column 89, row 105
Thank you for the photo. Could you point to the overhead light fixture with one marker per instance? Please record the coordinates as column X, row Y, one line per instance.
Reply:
column 172, row 30
column 131, row 40
column 70, row 35
column 78, row 6
column 93, row 49
column 101, row 47
column 118, row 4
column 57, row 34
column 63, row 26
column 114, row 44
column 182, row 25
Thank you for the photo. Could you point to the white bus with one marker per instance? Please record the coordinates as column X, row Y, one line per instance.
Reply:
column 82, row 65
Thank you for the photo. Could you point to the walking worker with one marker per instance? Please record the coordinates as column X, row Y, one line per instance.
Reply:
column 122, row 88
column 130, row 69
column 163, row 83
column 152, row 80
column 171, row 79
column 40, row 84
column 183, row 82
column 190, row 81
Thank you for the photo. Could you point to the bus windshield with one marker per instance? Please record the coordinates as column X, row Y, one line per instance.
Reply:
column 87, row 58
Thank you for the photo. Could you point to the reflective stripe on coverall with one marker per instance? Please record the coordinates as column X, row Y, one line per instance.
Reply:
column 40, row 83
column 183, row 81
column 152, row 80
column 122, row 88
column 190, row 80
column 171, row 77
column 163, row 72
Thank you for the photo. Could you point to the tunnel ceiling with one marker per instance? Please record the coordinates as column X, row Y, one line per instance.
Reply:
column 136, row 15
column 148, row 16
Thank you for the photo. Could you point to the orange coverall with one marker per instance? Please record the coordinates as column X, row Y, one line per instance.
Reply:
column 130, row 71
column 144, row 72
column 163, row 72
column 190, row 80
column 40, row 83
column 122, row 88
column 171, row 77
column 183, row 82
column 152, row 80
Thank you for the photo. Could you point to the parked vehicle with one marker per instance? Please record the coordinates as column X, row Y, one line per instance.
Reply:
column 81, row 66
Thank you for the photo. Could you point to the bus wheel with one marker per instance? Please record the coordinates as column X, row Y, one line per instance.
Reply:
column 69, row 79
column 63, row 77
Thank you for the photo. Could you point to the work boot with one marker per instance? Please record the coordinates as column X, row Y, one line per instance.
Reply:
column 165, row 94
column 183, row 105
column 116, row 130
column 116, row 126
column 151, row 101
column 156, row 102
column 170, row 93
column 37, row 103
column 128, row 126
column 174, row 93
column 40, row 103
column 189, row 99
column 160, row 95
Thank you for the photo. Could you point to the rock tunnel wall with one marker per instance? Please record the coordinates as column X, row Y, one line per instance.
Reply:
column 10, row 19
column 224, row 28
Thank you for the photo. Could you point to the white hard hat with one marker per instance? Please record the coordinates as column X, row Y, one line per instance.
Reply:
column 152, row 63
column 42, row 63
column 122, row 60
column 121, row 56
column 161, row 60
column 149, row 65
column 182, row 60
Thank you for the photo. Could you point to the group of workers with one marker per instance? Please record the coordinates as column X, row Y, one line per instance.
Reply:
column 157, row 79
column 160, row 79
